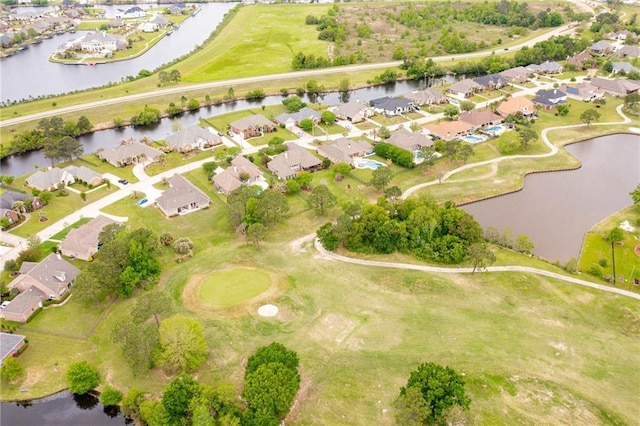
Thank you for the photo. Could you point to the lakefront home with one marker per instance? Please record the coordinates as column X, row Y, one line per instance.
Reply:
column 190, row 138
column 253, row 126
column 353, row 111
column 291, row 119
column 465, row 88
column 129, row 153
column 391, row 106
column 428, row 96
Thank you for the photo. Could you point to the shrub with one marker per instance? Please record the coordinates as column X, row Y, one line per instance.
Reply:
column 603, row 262
column 81, row 377
column 595, row 270
column 110, row 396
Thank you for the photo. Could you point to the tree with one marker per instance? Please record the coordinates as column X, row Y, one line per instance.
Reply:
column 184, row 246
column 450, row 111
column 138, row 341
column 441, row 388
column 175, row 76
column 304, row 179
column 381, row 177
column 527, row 135
column 344, row 85
column 321, row 199
column 270, row 390
column 153, row 413
column 274, row 352
column 182, row 342
column 328, row 117
column 463, row 152
column 293, row 103
column 480, row 256
column 81, row 377
column 635, row 194
column 151, row 304
column 428, row 155
column 563, row 109
column 11, row 369
column 193, row 104
column 411, row 409
column 589, row 115
column 342, row 168
column 110, row 396
column 163, row 76
column 393, row 193
column 632, row 100
column 306, row 124
column 178, row 395
column 467, row 106
column 84, row 125
column 51, row 149
column 255, row 233
column 616, row 234
column 271, row 207
column 523, row 244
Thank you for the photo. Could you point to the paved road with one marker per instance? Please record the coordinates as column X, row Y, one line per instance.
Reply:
column 438, row 269
column 566, row 29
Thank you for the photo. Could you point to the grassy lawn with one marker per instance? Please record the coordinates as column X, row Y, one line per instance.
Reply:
column 596, row 248
column 366, row 125
column 332, row 129
column 176, row 159
column 233, row 287
column 60, row 235
column 276, row 34
column 388, row 121
column 94, row 163
column 567, row 75
column 265, row 138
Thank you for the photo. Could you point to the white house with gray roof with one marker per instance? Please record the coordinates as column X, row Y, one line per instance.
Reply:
column 97, row 42
column 182, row 197
column 428, row 96
column 391, row 106
column 84, row 174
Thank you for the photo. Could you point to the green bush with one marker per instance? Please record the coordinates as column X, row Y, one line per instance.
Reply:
column 81, row 377
column 110, row 396
column 596, row 270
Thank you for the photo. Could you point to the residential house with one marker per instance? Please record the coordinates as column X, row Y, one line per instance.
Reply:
column 182, row 197
column 353, row 111
column 129, row 153
column 291, row 119
column 411, row 141
column 116, row 23
column 241, row 172
column 132, row 12
column 39, row 27
column 583, row 60
column 617, row 87
column 344, row 150
column 9, row 199
column 428, row 96
column 517, row 104
column 83, row 242
column 546, row 68
column 148, row 27
column 622, row 35
column 84, row 174
column 629, row 51
column 295, row 159
column 252, row 126
column 549, row 98
column 176, row 9
column 391, row 106
column 6, row 39
column 192, row 137
column 98, row 42
column 50, row 279
column 465, row 88
column 479, row 118
column 449, row 130
column 601, row 48
column 623, row 68
column 50, row 180
column 583, row 92
column 160, row 21
column 10, row 345
column 491, row 81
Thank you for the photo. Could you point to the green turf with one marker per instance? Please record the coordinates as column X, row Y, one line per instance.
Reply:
column 233, row 287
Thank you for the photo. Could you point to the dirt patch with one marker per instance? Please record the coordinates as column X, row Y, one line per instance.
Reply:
column 192, row 301
column 333, row 328
column 300, row 245
column 636, row 250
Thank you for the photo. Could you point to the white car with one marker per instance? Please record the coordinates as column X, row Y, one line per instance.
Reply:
column 4, row 304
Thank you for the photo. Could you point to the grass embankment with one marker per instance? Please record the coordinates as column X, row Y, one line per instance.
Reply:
column 359, row 331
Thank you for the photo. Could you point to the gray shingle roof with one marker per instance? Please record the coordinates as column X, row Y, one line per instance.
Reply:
column 85, row 237
column 405, row 139
column 256, row 120
column 297, row 117
column 192, row 135
column 291, row 161
column 9, row 343
column 181, row 193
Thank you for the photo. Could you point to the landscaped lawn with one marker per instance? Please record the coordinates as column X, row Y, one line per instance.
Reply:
column 232, row 287
column 388, row 121
column 60, row 235
column 176, row 159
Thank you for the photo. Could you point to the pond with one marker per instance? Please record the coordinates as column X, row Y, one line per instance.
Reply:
column 555, row 210
column 61, row 408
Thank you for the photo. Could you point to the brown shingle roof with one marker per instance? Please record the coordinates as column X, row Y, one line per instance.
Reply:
column 447, row 130
column 516, row 104
column 479, row 117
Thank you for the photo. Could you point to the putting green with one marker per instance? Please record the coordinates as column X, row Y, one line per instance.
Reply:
column 234, row 286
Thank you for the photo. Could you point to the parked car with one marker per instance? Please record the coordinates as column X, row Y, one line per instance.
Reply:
column 123, row 181
column 230, row 134
column 4, row 304
column 141, row 202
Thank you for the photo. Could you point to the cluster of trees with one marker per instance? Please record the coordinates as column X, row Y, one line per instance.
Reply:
column 555, row 48
column 126, row 260
column 302, row 61
column 521, row 138
column 429, row 16
column 293, row 103
column 416, row 225
column 430, row 394
column 172, row 76
column 270, row 386
column 250, row 206
column 49, row 132
column 145, row 117
column 520, row 243
column 398, row 155
column 328, row 27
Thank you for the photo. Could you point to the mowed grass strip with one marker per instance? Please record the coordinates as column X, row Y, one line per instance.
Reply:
column 233, row 287
column 270, row 37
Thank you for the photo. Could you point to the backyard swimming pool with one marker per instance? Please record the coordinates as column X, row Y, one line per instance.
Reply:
column 495, row 130
column 368, row 164
column 474, row 138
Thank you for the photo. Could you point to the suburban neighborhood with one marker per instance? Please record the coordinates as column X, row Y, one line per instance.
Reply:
column 308, row 244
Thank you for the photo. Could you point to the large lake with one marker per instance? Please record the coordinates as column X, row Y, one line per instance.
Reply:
column 29, row 72
column 556, row 209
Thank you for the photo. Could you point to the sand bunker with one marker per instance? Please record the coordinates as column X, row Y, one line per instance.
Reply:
column 268, row 310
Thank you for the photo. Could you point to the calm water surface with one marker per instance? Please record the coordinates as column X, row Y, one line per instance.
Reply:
column 556, row 209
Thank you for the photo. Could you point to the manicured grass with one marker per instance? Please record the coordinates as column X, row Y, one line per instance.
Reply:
column 265, row 138
column 60, row 235
column 388, row 121
column 72, row 320
column 176, row 159
column 267, row 45
column 94, row 163
column 232, row 287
